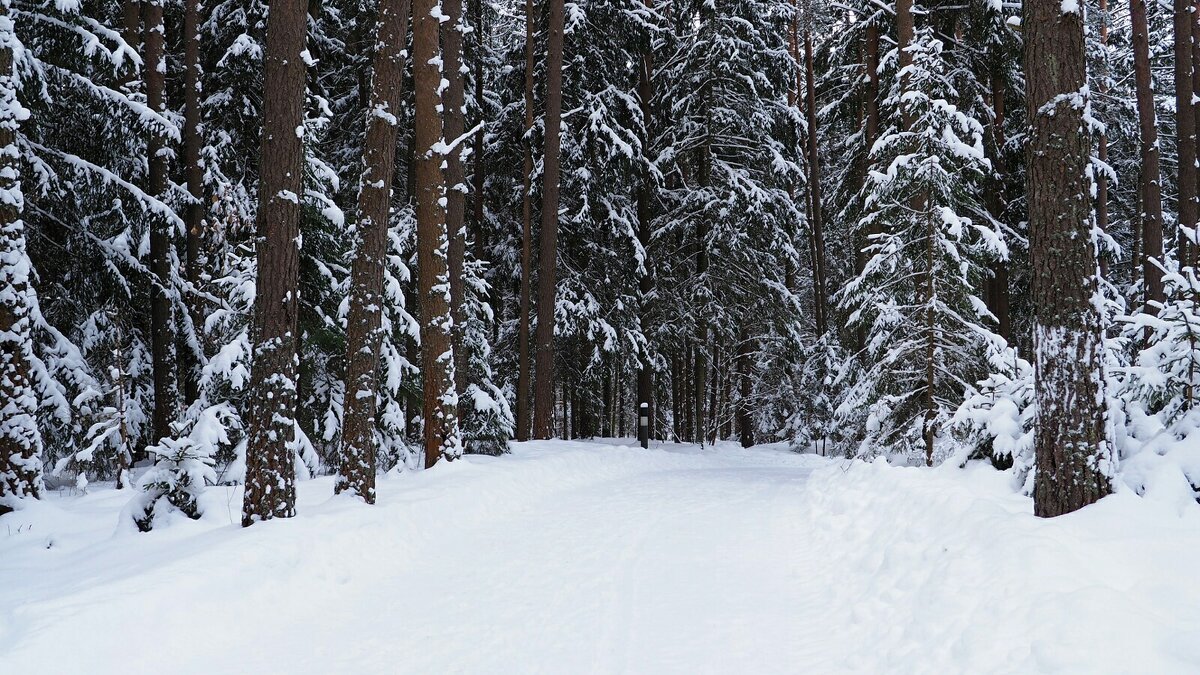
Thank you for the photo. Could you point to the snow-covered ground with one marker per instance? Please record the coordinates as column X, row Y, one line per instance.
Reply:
column 598, row 558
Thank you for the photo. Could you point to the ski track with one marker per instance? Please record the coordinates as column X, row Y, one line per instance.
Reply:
column 574, row 557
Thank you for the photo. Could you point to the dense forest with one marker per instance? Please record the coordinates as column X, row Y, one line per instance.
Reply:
column 348, row 237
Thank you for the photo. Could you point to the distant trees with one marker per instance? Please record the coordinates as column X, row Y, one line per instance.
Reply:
column 251, row 251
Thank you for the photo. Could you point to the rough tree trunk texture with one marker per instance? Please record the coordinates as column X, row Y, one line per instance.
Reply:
column 479, row 167
column 1069, row 433
column 1189, row 248
column 20, row 442
column 1102, row 151
column 433, row 245
column 1151, row 181
column 523, row 353
column 131, row 19
column 271, row 427
column 904, row 36
column 870, row 135
column 1185, row 123
column 456, row 177
column 543, row 394
column 364, row 326
column 745, row 422
column 700, row 374
column 645, row 213
column 792, row 98
column 162, row 335
column 194, row 174
column 997, row 287
column 816, row 218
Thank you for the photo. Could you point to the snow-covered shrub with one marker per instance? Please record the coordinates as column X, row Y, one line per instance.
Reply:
column 183, row 467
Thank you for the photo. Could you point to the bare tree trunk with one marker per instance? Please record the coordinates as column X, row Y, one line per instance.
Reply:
column 433, row 244
column 745, row 422
column 271, row 428
column 523, row 353
column 543, row 426
column 1069, row 434
column 645, row 195
column 194, row 173
column 456, row 179
column 364, row 326
column 162, row 335
column 131, row 19
column 816, row 215
column 1151, row 182
column 997, row 291
column 1185, row 124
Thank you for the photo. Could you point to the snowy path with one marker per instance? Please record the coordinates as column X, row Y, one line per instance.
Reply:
column 571, row 558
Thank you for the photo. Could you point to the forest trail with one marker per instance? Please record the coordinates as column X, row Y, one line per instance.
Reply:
column 574, row 557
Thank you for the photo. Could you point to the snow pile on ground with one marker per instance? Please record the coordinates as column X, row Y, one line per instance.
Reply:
column 604, row 558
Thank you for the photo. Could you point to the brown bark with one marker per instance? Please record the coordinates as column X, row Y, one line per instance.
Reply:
column 194, row 174
column 364, row 326
column 433, row 284
column 162, row 335
column 1185, row 123
column 745, row 422
column 816, row 217
column 904, row 36
column 1151, row 182
column 543, row 395
column 997, row 290
column 131, row 19
column 1069, row 434
column 523, row 353
column 456, row 178
column 645, row 207
column 271, row 428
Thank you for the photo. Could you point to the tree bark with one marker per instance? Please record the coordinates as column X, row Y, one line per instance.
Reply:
column 433, row 245
column 645, row 195
column 1072, row 449
column 997, row 290
column 543, row 398
column 20, row 441
column 523, row 353
column 194, row 174
column 1102, row 151
column 816, row 215
column 1151, row 181
column 162, row 335
column 364, row 326
column 271, row 428
column 456, row 178
column 745, row 422
column 1185, row 124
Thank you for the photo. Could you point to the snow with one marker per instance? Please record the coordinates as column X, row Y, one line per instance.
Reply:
column 574, row 557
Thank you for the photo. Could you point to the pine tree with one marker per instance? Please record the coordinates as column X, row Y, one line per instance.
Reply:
column 1073, row 448
column 272, row 429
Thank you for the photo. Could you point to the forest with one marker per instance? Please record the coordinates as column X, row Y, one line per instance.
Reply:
column 353, row 238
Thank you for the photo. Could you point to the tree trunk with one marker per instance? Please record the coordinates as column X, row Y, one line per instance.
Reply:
column 131, row 19
column 816, row 215
column 456, row 179
column 645, row 195
column 271, row 427
column 433, row 244
column 194, row 173
column 1151, row 182
column 1072, row 449
column 997, row 290
column 523, row 353
column 904, row 36
column 1102, row 152
column 745, row 423
column 543, row 397
column 1185, row 124
column 364, row 326
column 20, row 441
column 162, row 335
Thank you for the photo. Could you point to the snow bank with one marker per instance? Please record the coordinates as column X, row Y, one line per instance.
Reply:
column 593, row 558
column 947, row 570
